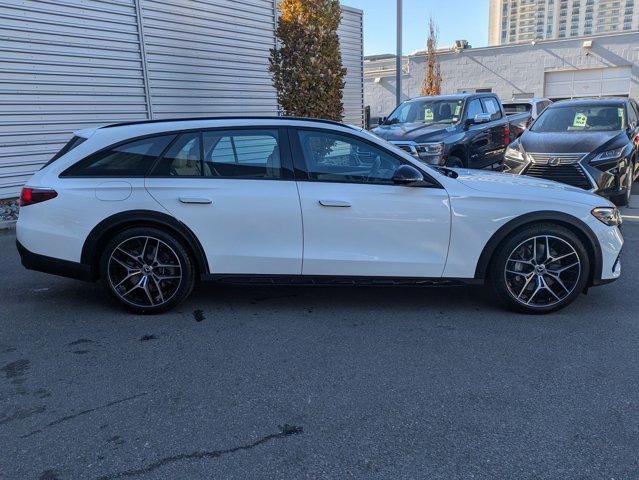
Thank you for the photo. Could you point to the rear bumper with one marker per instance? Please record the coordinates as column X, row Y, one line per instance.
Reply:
column 54, row 266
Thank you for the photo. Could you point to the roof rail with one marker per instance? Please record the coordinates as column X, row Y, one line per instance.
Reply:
column 190, row 119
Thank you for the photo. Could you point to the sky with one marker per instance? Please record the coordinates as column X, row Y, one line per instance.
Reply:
column 457, row 19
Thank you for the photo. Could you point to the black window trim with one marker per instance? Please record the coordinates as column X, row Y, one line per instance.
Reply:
column 301, row 167
column 286, row 160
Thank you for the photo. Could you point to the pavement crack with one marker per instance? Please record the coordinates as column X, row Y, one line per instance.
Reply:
column 285, row 431
column 22, row 414
column 91, row 410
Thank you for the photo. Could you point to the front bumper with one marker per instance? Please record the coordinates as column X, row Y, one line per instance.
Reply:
column 54, row 266
column 605, row 179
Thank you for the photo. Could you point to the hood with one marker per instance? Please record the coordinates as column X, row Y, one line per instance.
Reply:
column 413, row 132
column 567, row 142
column 525, row 187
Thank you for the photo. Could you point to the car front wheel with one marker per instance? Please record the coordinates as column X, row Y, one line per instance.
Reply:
column 623, row 200
column 147, row 270
column 540, row 269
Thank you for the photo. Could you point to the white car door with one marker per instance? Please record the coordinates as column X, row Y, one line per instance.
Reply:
column 235, row 191
column 356, row 221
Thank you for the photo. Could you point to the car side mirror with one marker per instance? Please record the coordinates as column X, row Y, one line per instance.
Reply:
column 381, row 120
column 479, row 118
column 407, row 175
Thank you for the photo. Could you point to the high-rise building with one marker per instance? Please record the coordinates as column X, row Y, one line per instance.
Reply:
column 517, row 21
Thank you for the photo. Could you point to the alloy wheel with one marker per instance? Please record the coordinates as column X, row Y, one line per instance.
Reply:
column 542, row 271
column 144, row 271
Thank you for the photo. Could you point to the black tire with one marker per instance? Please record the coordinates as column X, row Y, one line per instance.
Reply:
column 623, row 200
column 505, row 282
column 167, row 265
column 454, row 162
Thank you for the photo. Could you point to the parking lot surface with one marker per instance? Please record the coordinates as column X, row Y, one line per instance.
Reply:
column 316, row 382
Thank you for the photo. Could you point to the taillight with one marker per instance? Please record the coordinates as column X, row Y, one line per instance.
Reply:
column 506, row 136
column 29, row 196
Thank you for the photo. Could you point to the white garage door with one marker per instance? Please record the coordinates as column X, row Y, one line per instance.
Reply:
column 588, row 83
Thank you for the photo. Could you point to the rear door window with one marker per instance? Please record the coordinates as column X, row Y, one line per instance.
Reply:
column 492, row 107
column 131, row 159
column 242, row 154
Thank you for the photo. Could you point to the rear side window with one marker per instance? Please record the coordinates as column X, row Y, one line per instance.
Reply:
column 70, row 145
column 132, row 159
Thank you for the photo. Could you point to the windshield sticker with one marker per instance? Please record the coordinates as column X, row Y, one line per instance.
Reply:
column 428, row 114
column 580, row 120
column 457, row 110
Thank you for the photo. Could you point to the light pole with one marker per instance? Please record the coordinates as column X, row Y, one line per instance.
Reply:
column 398, row 58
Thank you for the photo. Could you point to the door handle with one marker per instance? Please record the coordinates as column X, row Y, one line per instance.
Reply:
column 197, row 200
column 334, row 203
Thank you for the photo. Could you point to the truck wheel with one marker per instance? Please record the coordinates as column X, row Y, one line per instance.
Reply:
column 454, row 162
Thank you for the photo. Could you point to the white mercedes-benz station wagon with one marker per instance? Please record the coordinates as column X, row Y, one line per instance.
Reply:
column 150, row 207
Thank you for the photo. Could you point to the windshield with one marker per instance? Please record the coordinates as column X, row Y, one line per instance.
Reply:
column 607, row 118
column 427, row 112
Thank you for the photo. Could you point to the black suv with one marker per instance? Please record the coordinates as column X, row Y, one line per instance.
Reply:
column 590, row 144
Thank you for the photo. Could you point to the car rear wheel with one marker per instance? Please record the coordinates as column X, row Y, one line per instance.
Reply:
column 147, row 270
column 540, row 269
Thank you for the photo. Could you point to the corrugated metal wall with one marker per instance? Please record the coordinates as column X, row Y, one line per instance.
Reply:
column 209, row 57
column 65, row 65
column 351, row 37
column 70, row 64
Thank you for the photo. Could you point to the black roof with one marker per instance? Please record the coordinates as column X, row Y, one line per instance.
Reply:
column 585, row 102
column 191, row 119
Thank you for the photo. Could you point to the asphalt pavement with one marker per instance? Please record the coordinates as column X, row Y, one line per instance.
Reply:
column 316, row 383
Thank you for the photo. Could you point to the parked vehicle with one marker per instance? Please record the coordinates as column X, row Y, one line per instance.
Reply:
column 590, row 144
column 533, row 106
column 465, row 130
column 149, row 207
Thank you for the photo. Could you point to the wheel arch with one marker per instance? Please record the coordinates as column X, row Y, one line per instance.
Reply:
column 103, row 231
column 460, row 152
column 570, row 222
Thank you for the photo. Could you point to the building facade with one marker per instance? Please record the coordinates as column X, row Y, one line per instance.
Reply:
column 72, row 64
column 558, row 69
column 517, row 21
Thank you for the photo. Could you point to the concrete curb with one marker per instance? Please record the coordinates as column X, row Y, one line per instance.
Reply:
column 8, row 224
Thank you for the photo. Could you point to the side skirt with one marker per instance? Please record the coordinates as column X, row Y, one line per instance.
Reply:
column 338, row 280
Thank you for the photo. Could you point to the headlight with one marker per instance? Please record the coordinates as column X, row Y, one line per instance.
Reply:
column 609, row 155
column 514, row 153
column 608, row 215
column 429, row 148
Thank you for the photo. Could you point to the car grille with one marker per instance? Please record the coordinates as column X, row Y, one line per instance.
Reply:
column 568, row 174
column 556, row 158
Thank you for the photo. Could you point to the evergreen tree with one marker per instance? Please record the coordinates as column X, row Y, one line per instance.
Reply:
column 307, row 65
